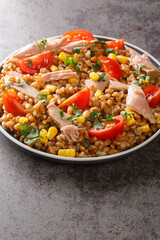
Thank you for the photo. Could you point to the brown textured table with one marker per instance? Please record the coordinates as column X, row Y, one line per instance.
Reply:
column 41, row 200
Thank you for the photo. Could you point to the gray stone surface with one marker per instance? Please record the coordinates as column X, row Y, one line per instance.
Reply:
column 42, row 200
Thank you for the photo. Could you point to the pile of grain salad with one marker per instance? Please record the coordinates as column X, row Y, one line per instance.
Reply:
column 77, row 96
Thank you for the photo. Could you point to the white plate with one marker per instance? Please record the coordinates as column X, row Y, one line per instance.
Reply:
column 106, row 158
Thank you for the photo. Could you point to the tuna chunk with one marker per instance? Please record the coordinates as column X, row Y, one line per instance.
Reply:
column 95, row 85
column 52, row 45
column 25, row 88
column 69, row 48
column 70, row 131
column 137, row 59
column 136, row 100
column 57, row 75
column 118, row 85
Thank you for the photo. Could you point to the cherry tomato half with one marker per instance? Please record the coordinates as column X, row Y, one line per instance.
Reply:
column 80, row 99
column 109, row 132
column 77, row 35
column 113, row 44
column 111, row 67
column 152, row 95
column 33, row 64
column 13, row 104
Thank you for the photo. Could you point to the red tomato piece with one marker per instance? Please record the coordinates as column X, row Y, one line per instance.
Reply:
column 113, row 44
column 80, row 99
column 33, row 64
column 111, row 67
column 13, row 104
column 152, row 95
column 77, row 35
column 109, row 132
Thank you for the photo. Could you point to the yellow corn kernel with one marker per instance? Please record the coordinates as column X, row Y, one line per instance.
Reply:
column 62, row 56
column 94, row 76
column 44, row 140
column 112, row 56
column 158, row 120
column 129, row 110
column 145, row 128
column 51, row 88
column 52, row 132
column 130, row 121
column 54, row 68
column 62, row 152
column 98, row 93
column 23, row 120
column 122, row 59
column 45, row 91
column 70, row 153
column 81, row 119
column 49, row 97
column 43, row 133
column 72, row 80
column 145, row 81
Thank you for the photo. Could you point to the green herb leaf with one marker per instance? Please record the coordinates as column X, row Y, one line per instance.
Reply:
column 92, row 50
column 111, row 50
column 94, row 115
column 144, row 77
column 27, row 83
column 138, row 69
column 19, row 84
column 8, row 84
column 71, row 118
column 77, row 49
column 42, row 45
column 61, row 113
column 72, row 62
column 34, row 133
column 30, row 63
column 110, row 66
column 125, row 114
column 101, row 78
column 43, row 97
column 47, row 125
column 96, row 66
column 137, row 83
column 109, row 118
column 86, row 143
column 30, row 141
column 76, row 111
column 98, row 124
column 25, row 129
column 57, row 123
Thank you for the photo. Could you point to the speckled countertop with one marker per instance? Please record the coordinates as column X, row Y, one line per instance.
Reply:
column 42, row 200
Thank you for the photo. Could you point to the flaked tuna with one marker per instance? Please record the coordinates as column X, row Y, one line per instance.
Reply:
column 70, row 131
column 137, row 59
column 136, row 100
column 51, row 45
column 24, row 88
column 69, row 48
column 95, row 85
column 118, row 85
column 57, row 75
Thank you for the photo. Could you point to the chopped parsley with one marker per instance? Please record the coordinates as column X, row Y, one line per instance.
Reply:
column 101, row 77
column 137, row 83
column 144, row 77
column 30, row 63
column 61, row 113
column 96, row 66
column 76, row 112
column 110, row 66
column 92, row 50
column 98, row 124
column 57, row 123
column 77, row 49
column 8, row 84
column 138, row 69
column 71, row 61
column 14, row 84
column 86, row 143
column 30, row 133
column 42, row 45
column 109, row 118
column 43, row 97
column 47, row 125
column 125, row 115
column 94, row 115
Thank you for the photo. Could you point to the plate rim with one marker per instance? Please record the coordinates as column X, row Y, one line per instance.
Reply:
column 106, row 158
